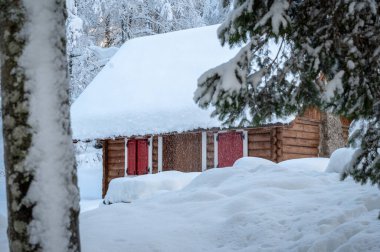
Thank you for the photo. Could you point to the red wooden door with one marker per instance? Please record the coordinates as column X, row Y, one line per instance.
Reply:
column 131, row 170
column 142, row 156
column 230, row 148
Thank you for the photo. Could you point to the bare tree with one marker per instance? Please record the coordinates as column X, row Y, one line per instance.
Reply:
column 42, row 192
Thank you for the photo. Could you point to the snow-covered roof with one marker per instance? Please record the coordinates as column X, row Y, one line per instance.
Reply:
column 148, row 85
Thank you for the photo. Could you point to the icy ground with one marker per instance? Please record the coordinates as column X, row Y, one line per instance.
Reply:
column 255, row 206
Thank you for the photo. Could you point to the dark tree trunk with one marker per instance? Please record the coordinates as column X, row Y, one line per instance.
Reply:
column 24, row 169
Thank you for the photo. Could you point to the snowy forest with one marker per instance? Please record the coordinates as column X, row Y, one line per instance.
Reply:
column 189, row 125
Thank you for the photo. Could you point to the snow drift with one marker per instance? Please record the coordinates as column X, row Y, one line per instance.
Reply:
column 263, row 208
column 129, row 188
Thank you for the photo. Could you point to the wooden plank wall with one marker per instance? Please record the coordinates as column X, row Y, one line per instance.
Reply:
column 301, row 139
column 113, row 161
column 155, row 155
column 182, row 152
column 260, row 143
column 105, row 170
column 210, row 150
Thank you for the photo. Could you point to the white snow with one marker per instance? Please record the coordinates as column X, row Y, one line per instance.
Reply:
column 334, row 85
column 147, row 87
column 88, row 205
column 103, row 55
column 311, row 164
column 131, row 188
column 277, row 14
column 254, row 206
column 50, row 158
column 252, row 162
column 89, row 170
column 266, row 208
column 339, row 159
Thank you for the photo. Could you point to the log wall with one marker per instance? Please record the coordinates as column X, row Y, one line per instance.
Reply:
column 210, row 150
column 155, row 155
column 301, row 139
column 260, row 143
column 113, row 161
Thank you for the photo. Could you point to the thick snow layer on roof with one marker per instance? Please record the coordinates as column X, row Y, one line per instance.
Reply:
column 148, row 86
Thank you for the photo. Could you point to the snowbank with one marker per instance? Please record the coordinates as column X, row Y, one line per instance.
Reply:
column 239, row 209
column 339, row 159
column 308, row 164
column 128, row 189
column 252, row 162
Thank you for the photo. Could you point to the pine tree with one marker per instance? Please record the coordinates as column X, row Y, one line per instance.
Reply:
column 42, row 192
column 336, row 40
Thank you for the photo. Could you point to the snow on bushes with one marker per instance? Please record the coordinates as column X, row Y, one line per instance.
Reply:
column 339, row 159
column 128, row 189
column 263, row 208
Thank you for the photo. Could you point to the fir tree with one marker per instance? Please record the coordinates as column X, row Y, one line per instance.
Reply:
column 327, row 55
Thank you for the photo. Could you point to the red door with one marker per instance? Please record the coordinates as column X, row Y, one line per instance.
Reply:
column 131, row 170
column 230, row 148
column 142, row 156
column 137, row 157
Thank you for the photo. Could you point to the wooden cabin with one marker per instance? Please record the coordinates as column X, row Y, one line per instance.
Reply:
column 199, row 150
column 141, row 108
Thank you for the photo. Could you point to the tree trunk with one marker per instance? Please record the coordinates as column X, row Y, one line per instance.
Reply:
column 42, row 192
column 331, row 137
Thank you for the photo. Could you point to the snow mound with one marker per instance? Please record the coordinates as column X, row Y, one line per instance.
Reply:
column 251, row 162
column 339, row 159
column 128, row 189
column 308, row 164
column 233, row 209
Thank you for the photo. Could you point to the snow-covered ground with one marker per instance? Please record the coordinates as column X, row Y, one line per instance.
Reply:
column 266, row 207
column 129, row 189
column 254, row 206
column 90, row 170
